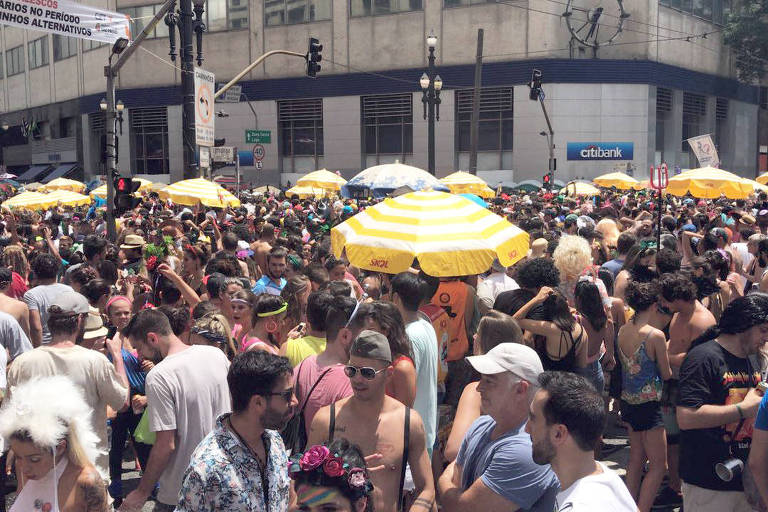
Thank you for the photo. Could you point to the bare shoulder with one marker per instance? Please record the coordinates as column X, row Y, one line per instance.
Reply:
column 93, row 489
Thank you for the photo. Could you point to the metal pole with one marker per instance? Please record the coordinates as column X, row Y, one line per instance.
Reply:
column 431, row 114
column 475, row 125
column 188, row 89
column 237, row 171
column 111, row 163
column 550, row 139
column 658, row 226
column 253, row 65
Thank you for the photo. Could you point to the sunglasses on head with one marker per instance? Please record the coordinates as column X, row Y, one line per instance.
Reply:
column 366, row 372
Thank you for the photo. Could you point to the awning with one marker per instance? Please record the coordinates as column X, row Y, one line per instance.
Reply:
column 61, row 171
column 34, row 172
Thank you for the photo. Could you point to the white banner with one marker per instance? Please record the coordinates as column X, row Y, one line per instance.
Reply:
column 705, row 150
column 66, row 18
column 205, row 84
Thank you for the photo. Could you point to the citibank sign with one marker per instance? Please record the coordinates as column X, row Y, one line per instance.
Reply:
column 600, row 150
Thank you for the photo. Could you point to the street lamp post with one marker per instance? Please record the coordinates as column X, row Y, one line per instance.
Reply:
column 188, row 20
column 431, row 84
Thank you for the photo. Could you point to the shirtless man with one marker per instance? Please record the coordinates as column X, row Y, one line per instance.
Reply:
column 16, row 308
column 690, row 320
column 263, row 245
column 375, row 422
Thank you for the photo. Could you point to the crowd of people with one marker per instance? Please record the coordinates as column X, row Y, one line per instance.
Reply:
column 240, row 364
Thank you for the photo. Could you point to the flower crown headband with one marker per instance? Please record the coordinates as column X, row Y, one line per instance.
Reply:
column 317, row 463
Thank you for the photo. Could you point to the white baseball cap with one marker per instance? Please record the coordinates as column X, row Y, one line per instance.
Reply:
column 515, row 358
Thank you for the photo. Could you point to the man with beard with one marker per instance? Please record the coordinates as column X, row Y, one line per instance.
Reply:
column 566, row 420
column 272, row 281
column 102, row 383
column 186, row 392
column 242, row 464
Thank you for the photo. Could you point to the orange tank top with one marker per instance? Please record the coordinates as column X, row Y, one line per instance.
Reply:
column 452, row 297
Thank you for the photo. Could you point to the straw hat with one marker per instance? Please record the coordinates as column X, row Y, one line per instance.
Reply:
column 133, row 242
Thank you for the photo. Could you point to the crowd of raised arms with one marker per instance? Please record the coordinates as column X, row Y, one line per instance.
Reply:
column 239, row 364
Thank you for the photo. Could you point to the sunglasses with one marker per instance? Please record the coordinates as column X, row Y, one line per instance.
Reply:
column 285, row 395
column 366, row 372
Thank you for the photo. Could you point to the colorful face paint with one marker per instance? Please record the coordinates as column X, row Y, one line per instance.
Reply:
column 311, row 496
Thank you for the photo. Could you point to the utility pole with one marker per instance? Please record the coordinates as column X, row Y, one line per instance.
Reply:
column 188, row 89
column 123, row 50
column 475, row 124
column 537, row 94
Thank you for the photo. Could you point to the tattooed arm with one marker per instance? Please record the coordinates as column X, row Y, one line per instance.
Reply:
column 92, row 495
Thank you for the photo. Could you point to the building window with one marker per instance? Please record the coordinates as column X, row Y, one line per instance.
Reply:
column 378, row 7
column 715, row 11
column 462, row 3
column 387, row 126
column 89, row 45
column 2, row 66
column 694, row 110
column 721, row 123
column 764, row 97
column 149, row 131
column 289, row 12
column 495, row 120
column 141, row 16
column 301, row 132
column 38, row 52
column 219, row 15
column 67, row 127
column 15, row 60
column 663, row 116
column 63, row 47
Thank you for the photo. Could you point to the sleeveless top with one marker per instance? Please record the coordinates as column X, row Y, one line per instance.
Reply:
column 41, row 494
column 640, row 378
column 389, row 391
column 567, row 362
column 716, row 305
column 452, row 297
column 439, row 320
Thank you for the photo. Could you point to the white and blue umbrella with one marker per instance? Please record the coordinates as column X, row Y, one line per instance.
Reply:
column 381, row 180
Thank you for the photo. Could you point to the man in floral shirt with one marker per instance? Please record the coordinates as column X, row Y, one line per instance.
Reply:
column 242, row 464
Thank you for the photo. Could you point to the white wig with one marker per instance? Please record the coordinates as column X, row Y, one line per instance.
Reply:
column 46, row 410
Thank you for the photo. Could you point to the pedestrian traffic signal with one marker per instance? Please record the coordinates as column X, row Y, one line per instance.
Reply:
column 535, row 85
column 313, row 57
column 547, row 181
column 124, row 198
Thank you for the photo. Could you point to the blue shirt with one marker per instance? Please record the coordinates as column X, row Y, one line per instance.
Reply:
column 761, row 422
column 506, row 466
column 267, row 285
column 614, row 266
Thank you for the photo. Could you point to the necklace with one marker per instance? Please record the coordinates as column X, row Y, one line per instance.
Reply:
column 261, row 465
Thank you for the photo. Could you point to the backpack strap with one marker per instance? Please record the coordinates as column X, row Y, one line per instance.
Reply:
column 332, row 423
column 406, row 447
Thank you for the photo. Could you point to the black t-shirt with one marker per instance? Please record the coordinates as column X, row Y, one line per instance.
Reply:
column 710, row 375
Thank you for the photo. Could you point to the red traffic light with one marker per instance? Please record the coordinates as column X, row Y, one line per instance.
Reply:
column 546, row 178
column 121, row 184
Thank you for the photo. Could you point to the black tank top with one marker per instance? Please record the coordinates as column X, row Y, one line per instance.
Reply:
column 567, row 362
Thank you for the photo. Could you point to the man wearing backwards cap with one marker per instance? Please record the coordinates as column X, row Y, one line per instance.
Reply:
column 102, row 383
column 377, row 423
column 494, row 469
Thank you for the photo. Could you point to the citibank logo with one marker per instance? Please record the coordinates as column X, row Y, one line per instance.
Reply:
column 600, row 150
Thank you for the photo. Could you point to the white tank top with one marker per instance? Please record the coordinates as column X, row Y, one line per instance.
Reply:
column 41, row 495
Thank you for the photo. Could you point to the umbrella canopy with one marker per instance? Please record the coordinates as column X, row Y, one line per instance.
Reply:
column 615, row 179
column 461, row 182
column 32, row 186
column 31, row 200
column 63, row 184
column 709, row 183
column 380, row 180
column 144, row 187
column 449, row 234
column 642, row 185
column 475, row 199
column 763, row 178
column 266, row 189
column 7, row 176
column 65, row 198
column 305, row 191
column 322, row 179
column 199, row 190
column 579, row 188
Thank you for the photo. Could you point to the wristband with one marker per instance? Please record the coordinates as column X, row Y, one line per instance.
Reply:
column 741, row 413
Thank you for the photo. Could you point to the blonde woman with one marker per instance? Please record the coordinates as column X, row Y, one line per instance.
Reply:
column 573, row 259
column 48, row 425
column 213, row 329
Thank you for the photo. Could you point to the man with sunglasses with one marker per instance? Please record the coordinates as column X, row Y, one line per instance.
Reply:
column 690, row 319
column 242, row 463
column 186, row 391
column 380, row 426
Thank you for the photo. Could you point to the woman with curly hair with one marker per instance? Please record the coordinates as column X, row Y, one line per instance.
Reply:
column 332, row 477
column 573, row 259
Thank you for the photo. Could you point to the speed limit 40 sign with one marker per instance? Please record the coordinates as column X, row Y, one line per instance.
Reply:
column 258, row 152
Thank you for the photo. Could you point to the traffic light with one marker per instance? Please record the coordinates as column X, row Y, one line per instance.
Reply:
column 535, row 85
column 313, row 57
column 547, row 181
column 124, row 199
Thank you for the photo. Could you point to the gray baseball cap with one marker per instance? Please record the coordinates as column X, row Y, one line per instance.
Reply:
column 69, row 303
column 371, row 345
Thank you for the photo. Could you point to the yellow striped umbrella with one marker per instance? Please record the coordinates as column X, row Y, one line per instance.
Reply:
column 322, row 179
column 65, row 198
column 710, row 183
column 144, row 187
column 305, row 192
column 199, row 190
column 63, row 184
column 461, row 182
column 579, row 188
column 31, row 200
column 449, row 234
column 763, row 178
column 615, row 179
